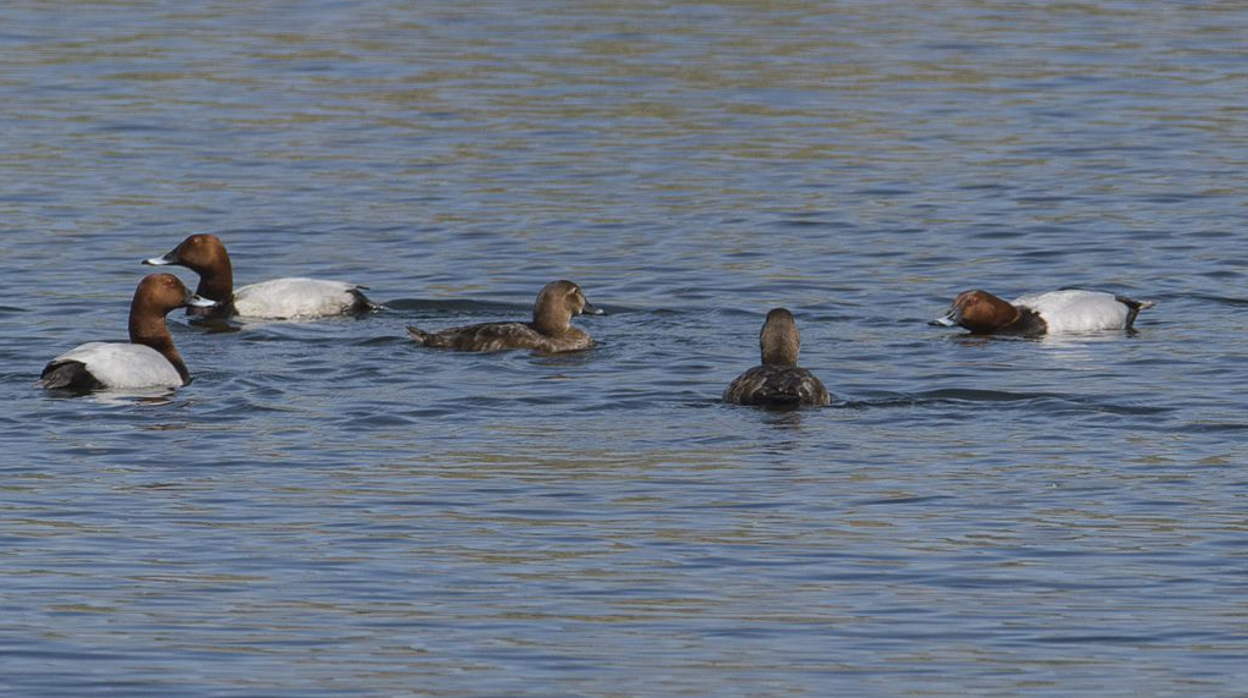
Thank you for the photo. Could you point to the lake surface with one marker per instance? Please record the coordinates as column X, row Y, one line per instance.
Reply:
column 329, row 510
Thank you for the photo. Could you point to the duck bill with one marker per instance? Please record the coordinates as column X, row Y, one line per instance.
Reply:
column 198, row 301
column 161, row 261
column 591, row 309
column 953, row 318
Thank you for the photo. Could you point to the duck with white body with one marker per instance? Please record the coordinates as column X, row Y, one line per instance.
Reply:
column 291, row 298
column 1054, row 312
column 148, row 360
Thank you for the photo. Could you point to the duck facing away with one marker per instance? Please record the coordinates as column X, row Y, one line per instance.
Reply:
column 550, row 332
column 1055, row 312
column 779, row 381
column 291, row 298
column 149, row 360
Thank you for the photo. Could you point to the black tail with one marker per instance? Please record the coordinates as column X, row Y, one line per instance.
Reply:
column 362, row 303
column 1133, row 308
column 68, row 375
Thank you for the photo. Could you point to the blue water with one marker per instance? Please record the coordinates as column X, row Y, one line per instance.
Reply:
column 329, row 510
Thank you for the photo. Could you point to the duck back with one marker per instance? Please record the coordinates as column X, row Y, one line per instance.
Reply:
column 1080, row 311
column 777, row 386
column 501, row 336
column 298, row 298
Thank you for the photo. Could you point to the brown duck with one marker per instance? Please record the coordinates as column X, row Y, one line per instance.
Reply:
column 550, row 332
column 779, row 381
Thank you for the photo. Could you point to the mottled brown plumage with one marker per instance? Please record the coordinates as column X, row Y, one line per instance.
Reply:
column 779, row 381
column 550, row 332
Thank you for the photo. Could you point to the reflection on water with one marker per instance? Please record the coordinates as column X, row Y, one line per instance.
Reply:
column 152, row 397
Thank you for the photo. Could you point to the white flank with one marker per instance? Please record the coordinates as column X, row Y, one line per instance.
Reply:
column 125, row 365
column 1077, row 311
column 294, row 299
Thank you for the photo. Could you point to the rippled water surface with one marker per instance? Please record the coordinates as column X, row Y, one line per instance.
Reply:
column 329, row 510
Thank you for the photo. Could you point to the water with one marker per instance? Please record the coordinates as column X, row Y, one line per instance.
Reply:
column 330, row 511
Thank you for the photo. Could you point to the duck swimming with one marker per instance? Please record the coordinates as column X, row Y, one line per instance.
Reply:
column 292, row 298
column 779, row 381
column 1055, row 312
column 550, row 332
column 149, row 360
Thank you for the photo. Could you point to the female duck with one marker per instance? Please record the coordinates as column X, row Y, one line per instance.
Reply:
column 551, row 331
column 279, row 299
column 1056, row 312
column 149, row 361
column 779, row 381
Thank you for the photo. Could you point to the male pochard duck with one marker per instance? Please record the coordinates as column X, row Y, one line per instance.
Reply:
column 779, row 381
column 280, row 299
column 1055, row 312
column 551, row 331
column 149, row 360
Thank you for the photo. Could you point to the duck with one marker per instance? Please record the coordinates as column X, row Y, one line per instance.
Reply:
column 1055, row 312
column 148, row 360
column 778, row 381
column 292, row 298
column 550, row 332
